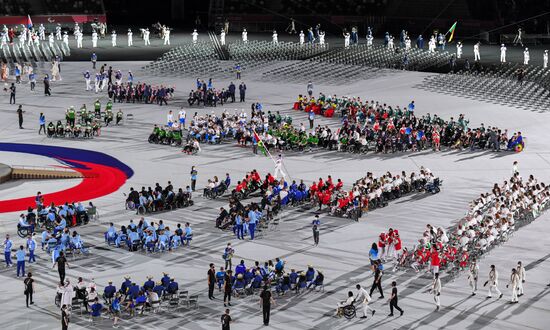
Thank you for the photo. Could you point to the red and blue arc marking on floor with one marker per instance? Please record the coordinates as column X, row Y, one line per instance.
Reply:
column 101, row 175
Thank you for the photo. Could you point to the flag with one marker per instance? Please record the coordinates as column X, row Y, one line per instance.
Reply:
column 452, row 31
column 29, row 21
column 260, row 143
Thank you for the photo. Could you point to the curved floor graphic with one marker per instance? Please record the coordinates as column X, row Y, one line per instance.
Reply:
column 102, row 174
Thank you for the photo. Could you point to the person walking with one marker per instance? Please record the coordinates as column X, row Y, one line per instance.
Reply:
column 393, row 299
column 61, row 263
column 42, row 122
column 315, row 227
column 211, row 281
column 12, row 93
column 311, row 117
column 227, row 288
column 493, row 283
column 228, row 255
column 436, row 290
column 29, row 289
column 266, row 299
column 20, row 257
column 20, row 116
column 193, row 177
column 514, row 285
column 7, row 251
column 377, row 282
column 363, row 298
column 521, row 273
column 64, row 317
column 47, row 89
column 94, row 60
column 473, row 276
column 226, row 320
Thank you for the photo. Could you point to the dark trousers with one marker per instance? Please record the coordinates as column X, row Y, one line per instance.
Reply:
column 316, row 237
column 266, row 311
column 393, row 304
column 61, row 275
column 20, row 122
column 211, row 290
column 311, row 124
column 193, row 184
column 241, row 100
column 42, row 127
column 376, row 285
column 226, row 297
column 12, row 97
column 28, row 297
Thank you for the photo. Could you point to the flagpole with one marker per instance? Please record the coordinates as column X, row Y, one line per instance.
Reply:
column 270, row 156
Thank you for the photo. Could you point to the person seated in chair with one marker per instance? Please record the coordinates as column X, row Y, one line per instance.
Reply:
column 310, row 274
column 240, row 269
column 149, row 284
column 109, row 292
column 159, row 289
column 220, row 275
column 348, row 302
column 283, row 285
column 318, row 280
column 172, row 287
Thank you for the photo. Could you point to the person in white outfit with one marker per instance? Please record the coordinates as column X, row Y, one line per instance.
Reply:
column 146, row 35
column 431, row 45
column 526, row 56
column 521, row 273
column 390, row 43
column 363, row 298
column 94, row 39
column 167, row 36
column 545, row 59
column 275, row 37
column 346, row 39
column 222, row 37
column 66, row 39
column 459, row 49
column 513, row 285
column 476, row 52
column 51, row 39
column 58, row 32
column 369, row 40
column 407, row 43
column 195, row 36
column 493, row 283
column 279, row 167
column 42, row 32
column 130, row 38
column 79, row 36
column 321, row 38
column 302, row 37
column 113, row 38
column 245, row 36
column 344, row 303
column 502, row 53
column 436, row 291
column 473, row 273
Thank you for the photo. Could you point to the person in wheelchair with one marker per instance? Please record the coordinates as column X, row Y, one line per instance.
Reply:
column 283, row 284
column 318, row 281
column 192, row 147
column 343, row 304
column 25, row 224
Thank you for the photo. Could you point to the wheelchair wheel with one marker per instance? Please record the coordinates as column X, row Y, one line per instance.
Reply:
column 22, row 232
column 350, row 312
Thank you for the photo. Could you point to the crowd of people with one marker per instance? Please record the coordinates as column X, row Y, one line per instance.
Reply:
column 148, row 236
column 158, row 198
column 206, row 94
column 378, row 127
column 491, row 219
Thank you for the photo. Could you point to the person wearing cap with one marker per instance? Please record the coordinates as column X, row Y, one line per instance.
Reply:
column 172, row 287
column 109, row 291
column 159, row 289
column 149, row 284
column 125, row 285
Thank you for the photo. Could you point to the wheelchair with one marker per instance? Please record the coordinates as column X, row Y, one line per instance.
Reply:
column 433, row 187
column 349, row 312
column 23, row 232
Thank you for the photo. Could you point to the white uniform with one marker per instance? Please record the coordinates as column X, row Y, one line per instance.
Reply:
column 526, row 56
column 222, row 38
column 113, row 39
column 195, row 36
column 302, row 38
column 493, row 283
column 322, row 38
column 79, row 36
column 431, row 45
column 279, row 167
column 459, row 50
column 167, row 36
column 130, row 38
column 369, row 40
column 514, row 285
column 520, row 270
column 42, row 32
column 245, row 36
column 476, row 52
column 545, row 59
column 275, row 38
column 94, row 39
column 436, row 290
column 390, row 43
column 51, row 39
column 146, row 35
column 58, row 32
column 66, row 39
column 346, row 39
column 407, row 43
column 503, row 54
column 473, row 276
column 363, row 298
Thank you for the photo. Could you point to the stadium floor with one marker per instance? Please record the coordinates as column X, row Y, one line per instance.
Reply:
column 343, row 250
